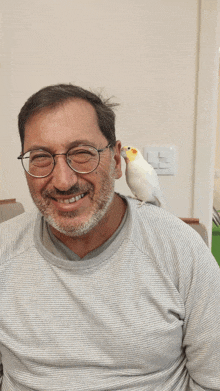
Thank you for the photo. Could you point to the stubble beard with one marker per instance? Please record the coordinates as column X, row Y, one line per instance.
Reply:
column 100, row 207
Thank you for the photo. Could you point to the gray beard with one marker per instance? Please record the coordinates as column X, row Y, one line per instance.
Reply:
column 101, row 207
column 85, row 227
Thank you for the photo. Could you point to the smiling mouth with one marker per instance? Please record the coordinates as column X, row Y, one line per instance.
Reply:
column 70, row 200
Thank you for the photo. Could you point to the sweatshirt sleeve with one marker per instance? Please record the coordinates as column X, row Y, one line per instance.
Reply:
column 201, row 333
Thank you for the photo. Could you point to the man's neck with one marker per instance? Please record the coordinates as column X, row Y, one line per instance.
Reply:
column 84, row 244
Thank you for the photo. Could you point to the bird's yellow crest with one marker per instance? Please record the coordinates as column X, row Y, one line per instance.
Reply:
column 131, row 153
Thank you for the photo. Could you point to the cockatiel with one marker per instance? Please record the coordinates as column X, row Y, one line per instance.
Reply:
column 141, row 177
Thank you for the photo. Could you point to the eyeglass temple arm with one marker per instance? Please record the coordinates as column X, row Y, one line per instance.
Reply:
column 101, row 150
column 21, row 157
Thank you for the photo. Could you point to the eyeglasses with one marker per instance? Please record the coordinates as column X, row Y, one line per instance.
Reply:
column 82, row 159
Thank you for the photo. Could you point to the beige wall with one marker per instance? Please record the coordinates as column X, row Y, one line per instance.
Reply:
column 217, row 158
column 216, row 194
column 144, row 52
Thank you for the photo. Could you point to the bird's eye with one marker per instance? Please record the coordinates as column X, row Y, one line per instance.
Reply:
column 129, row 148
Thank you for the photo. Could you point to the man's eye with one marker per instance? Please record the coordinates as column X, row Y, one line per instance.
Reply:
column 40, row 159
column 76, row 151
column 83, row 153
column 40, row 156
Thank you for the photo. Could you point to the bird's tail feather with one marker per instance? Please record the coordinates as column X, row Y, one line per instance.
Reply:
column 159, row 199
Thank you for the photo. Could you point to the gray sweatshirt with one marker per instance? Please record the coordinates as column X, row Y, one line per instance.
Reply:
column 141, row 313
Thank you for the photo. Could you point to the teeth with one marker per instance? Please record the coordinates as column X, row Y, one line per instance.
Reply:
column 73, row 199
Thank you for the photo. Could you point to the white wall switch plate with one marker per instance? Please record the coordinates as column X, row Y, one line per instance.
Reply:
column 162, row 159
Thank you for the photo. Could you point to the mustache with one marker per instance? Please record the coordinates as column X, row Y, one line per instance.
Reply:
column 73, row 190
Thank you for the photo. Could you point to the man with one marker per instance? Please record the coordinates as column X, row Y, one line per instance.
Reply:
column 96, row 293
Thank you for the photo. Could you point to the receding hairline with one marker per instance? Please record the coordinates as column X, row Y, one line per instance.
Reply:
column 56, row 105
column 51, row 97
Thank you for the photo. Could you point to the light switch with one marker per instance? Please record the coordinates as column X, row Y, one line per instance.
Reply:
column 163, row 165
column 164, row 154
column 162, row 159
column 154, row 164
column 153, row 156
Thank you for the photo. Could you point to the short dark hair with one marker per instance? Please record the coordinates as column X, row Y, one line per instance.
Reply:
column 55, row 95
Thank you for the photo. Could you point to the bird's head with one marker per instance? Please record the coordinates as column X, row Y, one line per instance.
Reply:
column 129, row 153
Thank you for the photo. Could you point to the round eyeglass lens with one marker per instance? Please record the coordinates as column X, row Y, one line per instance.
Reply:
column 38, row 163
column 83, row 159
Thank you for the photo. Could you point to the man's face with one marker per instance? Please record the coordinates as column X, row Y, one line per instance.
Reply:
column 55, row 130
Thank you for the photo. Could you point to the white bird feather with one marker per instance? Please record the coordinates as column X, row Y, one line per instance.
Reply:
column 142, row 178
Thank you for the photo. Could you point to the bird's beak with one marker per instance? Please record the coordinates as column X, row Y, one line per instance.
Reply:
column 123, row 153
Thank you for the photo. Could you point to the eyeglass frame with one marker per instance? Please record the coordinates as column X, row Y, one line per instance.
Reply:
column 20, row 157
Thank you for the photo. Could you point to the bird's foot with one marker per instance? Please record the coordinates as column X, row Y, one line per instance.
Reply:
column 141, row 203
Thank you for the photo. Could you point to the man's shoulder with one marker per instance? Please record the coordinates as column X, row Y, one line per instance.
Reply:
column 150, row 213
column 168, row 241
column 16, row 234
column 159, row 226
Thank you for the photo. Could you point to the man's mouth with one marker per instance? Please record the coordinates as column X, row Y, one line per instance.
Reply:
column 70, row 200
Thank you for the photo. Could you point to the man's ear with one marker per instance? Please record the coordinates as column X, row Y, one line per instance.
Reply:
column 117, row 158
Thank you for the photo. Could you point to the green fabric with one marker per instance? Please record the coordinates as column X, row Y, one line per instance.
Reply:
column 216, row 242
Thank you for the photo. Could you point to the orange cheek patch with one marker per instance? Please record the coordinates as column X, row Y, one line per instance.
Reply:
column 134, row 151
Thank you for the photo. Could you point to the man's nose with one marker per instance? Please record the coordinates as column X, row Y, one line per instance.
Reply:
column 63, row 177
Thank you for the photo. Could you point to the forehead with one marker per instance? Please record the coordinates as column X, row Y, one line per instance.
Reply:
column 57, row 127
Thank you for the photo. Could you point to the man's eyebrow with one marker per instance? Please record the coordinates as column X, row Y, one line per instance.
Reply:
column 74, row 143
column 80, row 142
